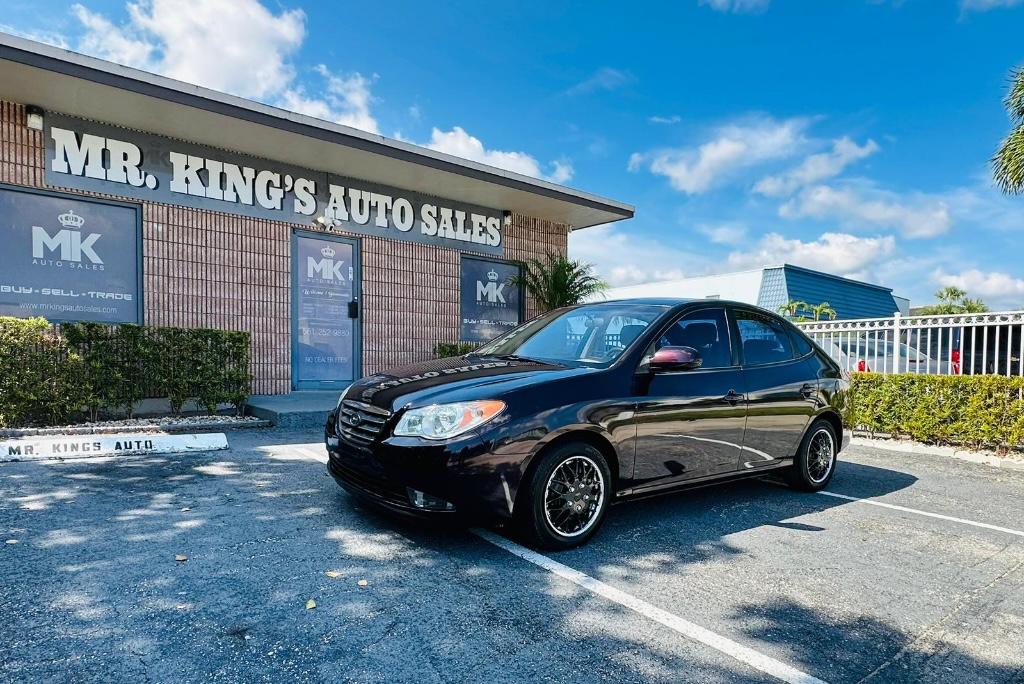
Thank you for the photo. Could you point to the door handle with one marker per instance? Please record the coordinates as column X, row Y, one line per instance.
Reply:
column 807, row 390
column 353, row 309
column 733, row 397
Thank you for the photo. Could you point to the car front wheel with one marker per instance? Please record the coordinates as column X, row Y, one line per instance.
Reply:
column 815, row 463
column 566, row 497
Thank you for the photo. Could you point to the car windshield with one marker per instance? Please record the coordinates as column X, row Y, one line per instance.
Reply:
column 588, row 335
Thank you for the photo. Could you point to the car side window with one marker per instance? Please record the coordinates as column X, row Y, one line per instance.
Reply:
column 763, row 339
column 800, row 343
column 706, row 331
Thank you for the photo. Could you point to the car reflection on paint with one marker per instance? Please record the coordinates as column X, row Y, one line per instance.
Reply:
column 550, row 423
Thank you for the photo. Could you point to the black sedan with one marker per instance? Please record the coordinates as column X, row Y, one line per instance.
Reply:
column 589, row 405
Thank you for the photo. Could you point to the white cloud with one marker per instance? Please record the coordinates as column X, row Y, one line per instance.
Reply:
column 605, row 78
column 253, row 59
column 839, row 253
column 561, row 171
column 999, row 290
column 724, row 233
column 734, row 147
column 816, row 168
column 984, row 206
column 668, row 120
column 739, row 6
column 985, row 5
column 917, row 215
column 346, row 100
column 239, row 47
column 461, row 144
column 104, row 40
column 40, row 36
column 622, row 258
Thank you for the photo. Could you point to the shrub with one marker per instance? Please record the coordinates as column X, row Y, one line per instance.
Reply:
column 445, row 349
column 116, row 359
column 53, row 376
column 973, row 410
column 42, row 381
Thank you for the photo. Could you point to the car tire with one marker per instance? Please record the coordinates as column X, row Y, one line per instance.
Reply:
column 565, row 499
column 815, row 462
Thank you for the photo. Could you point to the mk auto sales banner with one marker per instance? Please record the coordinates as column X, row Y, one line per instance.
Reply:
column 65, row 258
column 489, row 304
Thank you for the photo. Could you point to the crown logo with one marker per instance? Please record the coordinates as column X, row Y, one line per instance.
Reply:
column 327, row 252
column 492, row 275
column 71, row 220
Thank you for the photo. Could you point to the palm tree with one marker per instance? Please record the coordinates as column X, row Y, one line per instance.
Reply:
column 824, row 310
column 556, row 281
column 792, row 308
column 1008, row 162
column 953, row 300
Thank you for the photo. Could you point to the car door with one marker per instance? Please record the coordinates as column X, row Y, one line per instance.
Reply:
column 780, row 386
column 689, row 423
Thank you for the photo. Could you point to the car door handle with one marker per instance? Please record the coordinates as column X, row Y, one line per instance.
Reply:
column 733, row 397
column 808, row 390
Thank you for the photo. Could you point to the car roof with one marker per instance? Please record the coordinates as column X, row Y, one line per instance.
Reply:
column 672, row 301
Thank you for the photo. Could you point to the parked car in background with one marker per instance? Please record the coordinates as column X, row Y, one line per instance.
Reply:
column 866, row 354
column 550, row 423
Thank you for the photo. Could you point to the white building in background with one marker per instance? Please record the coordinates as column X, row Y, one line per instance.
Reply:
column 771, row 287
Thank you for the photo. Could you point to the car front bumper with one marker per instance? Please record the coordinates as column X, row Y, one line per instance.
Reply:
column 467, row 473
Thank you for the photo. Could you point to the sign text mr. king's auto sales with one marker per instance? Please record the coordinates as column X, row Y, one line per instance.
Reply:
column 87, row 155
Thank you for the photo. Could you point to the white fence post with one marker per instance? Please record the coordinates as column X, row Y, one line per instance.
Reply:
column 896, row 342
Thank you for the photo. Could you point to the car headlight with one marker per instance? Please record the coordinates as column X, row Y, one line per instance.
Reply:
column 443, row 421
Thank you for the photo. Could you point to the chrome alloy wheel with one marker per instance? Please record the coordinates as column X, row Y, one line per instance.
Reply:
column 573, row 496
column 821, row 456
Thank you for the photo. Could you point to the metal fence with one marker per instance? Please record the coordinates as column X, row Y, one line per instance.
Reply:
column 955, row 344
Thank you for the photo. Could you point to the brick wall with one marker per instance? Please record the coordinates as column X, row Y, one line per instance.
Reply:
column 241, row 279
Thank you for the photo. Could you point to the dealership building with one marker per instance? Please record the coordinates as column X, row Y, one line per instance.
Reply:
column 127, row 197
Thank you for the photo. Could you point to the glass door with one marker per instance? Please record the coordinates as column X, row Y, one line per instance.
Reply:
column 325, row 311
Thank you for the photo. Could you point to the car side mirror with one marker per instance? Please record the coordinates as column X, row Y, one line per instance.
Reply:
column 675, row 359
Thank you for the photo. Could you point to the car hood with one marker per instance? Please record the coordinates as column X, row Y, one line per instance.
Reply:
column 458, row 378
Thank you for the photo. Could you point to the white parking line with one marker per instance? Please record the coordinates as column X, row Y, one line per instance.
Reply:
column 915, row 511
column 688, row 629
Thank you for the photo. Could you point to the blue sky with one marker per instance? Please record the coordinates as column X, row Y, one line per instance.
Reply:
column 850, row 136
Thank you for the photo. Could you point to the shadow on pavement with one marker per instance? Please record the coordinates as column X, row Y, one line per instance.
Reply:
column 92, row 590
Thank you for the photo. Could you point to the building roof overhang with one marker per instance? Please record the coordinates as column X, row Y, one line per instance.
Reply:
column 63, row 81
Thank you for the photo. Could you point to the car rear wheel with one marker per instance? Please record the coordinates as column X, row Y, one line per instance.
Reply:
column 566, row 497
column 815, row 463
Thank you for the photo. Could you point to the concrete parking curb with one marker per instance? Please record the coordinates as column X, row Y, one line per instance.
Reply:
column 988, row 458
column 111, row 444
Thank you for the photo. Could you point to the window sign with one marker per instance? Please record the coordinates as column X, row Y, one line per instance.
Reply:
column 66, row 258
column 490, row 303
column 325, row 281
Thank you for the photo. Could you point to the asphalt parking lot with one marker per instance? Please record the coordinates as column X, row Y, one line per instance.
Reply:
column 747, row 582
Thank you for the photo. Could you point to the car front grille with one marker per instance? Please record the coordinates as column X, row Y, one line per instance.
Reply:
column 360, row 424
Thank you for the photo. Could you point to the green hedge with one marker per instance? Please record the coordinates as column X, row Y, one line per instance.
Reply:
column 87, row 370
column 443, row 350
column 972, row 410
column 42, row 381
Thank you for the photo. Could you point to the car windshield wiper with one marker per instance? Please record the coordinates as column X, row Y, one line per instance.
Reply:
column 517, row 357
